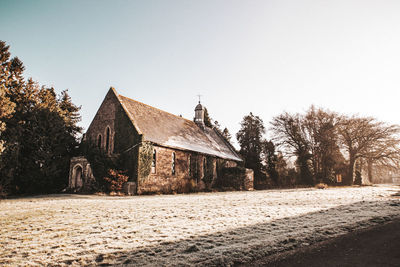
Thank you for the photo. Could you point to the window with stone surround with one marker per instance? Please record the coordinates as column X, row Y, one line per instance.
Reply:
column 153, row 163
column 99, row 141
column 173, row 163
column 108, row 140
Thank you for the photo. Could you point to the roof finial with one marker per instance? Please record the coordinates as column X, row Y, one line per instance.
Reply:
column 199, row 97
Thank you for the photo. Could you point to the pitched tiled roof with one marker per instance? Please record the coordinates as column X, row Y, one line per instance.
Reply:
column 172, row 131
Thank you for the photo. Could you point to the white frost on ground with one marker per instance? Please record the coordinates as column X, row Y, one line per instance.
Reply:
column 193, row 229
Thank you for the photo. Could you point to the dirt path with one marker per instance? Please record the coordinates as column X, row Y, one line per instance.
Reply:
column 375, row 246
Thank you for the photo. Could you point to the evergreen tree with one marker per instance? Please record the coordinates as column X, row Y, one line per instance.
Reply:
column 270, row 160
column 70, row 113
column 40, row 133
column 217, row 126
column 227, row 134
column 207, row 118
column 13, row 86
column 19, row 134
column 250, row 140
column 6, row 106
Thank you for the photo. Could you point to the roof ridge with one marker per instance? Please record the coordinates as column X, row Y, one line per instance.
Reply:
column 174, row 131
column 156, row 108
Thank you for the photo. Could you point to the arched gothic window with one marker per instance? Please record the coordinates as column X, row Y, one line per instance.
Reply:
column 107, row 139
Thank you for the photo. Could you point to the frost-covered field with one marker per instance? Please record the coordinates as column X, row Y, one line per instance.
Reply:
column 194, row 229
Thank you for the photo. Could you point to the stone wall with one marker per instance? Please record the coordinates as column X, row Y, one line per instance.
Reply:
column 161, row 178
column 103, row 120
column 200, row 176
column 80, row 174
column 123, row 135
column 235, row 178
column 249, row 180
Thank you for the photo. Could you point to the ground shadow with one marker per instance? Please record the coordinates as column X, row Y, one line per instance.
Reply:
column 246, row 244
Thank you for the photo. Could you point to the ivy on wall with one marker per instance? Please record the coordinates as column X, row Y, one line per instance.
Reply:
column 234, row 177
column 100, row 163
column 145, row 158
column 221, row 163
column 209, row 170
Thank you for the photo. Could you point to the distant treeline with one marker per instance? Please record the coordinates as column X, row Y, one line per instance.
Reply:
column 324, row 144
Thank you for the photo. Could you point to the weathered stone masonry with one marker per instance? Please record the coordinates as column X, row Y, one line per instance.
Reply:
column 80, row 173
column 123, row 136
column 187, row 177
column 187, row 155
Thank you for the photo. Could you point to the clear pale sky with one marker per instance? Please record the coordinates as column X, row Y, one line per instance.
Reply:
column 264, row 57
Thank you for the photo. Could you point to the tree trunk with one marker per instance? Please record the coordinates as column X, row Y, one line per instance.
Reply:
column 369, row 162
column 349, row 176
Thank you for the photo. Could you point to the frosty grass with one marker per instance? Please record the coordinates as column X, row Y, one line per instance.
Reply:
column 193, row 229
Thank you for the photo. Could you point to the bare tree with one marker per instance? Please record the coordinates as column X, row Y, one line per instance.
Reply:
column 365, row 137
column 385, row 150
column 355, row 134
column 290, row 134
column 313, row 139
column 321, row 132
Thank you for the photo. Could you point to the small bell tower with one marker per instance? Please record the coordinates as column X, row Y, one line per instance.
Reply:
column 199, row 115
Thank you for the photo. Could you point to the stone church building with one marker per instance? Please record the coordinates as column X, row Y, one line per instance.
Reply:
column 161, row 152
